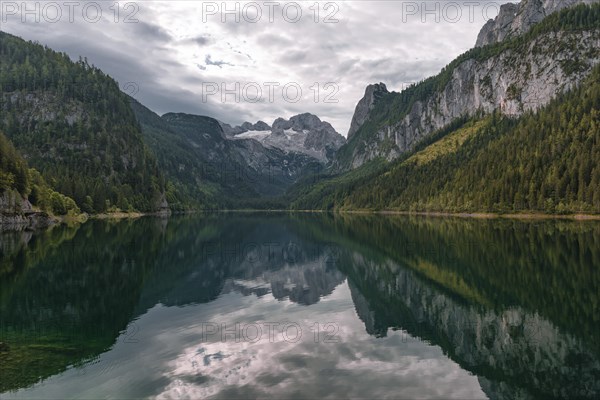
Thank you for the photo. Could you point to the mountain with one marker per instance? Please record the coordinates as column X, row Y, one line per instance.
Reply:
column 206, row 168
column 518, row 156
column 71, row 122
column 245, row 127
column 178, row 161
column 373, row 94
column 516, row 19
column 236, row 164
column 514, row 76
column 540, row 162
column 13, row 169
column 303, row 133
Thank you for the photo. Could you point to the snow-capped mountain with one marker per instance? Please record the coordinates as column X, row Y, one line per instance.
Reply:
column 303, row 133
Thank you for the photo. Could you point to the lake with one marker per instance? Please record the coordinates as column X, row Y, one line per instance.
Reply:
column 245, row 305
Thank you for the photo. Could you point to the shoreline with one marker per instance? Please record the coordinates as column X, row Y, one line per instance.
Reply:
column 117, row 215
column 525, row 216
column 483, row 215
column 475, row 215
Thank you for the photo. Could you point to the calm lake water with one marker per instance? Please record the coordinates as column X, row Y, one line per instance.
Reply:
column 301, row 306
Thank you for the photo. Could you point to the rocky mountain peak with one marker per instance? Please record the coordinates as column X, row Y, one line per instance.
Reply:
column 307, row 121
column 372, row 94
column 281, row 124
column 516, row 19
column 245, row 127
column 303, row 133
column 301, row 123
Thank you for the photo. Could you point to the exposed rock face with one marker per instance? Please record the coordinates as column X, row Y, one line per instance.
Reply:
column 365, row 105
column 516, row 19
column 514, row 81
column 495, row 30
column 269, row 170
column 301, row 122
column 304, row 133
column 16, row 213
column 261, row 126
column 83, row 126
column 161, row 206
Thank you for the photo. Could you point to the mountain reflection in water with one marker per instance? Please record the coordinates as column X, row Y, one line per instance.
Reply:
column 302, row 305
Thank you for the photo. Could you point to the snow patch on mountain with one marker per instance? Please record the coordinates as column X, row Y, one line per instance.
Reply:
column 303, row 133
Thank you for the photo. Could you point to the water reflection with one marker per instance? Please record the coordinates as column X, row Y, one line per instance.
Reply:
column 386, row 307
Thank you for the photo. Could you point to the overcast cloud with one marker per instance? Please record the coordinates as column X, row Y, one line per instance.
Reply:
column 177, row 50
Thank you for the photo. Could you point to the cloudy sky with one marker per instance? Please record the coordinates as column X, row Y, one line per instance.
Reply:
column 260, row 61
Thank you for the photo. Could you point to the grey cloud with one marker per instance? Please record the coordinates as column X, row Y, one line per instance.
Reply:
column 293, row 57
column 346, row 66
column 148, row 31
column 273, row 40
column 199, row 40
column 208, row 61
column 369, row 44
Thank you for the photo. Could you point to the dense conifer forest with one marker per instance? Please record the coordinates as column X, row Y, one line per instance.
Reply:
column 74, row 125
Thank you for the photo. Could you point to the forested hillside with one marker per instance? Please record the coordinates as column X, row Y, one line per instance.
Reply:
column 18, row 183
column 186, row 188
column 543, row 162
column 73, row 124
column 13, row 169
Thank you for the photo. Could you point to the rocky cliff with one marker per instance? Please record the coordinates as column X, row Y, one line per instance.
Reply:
column 303, row 134
column 16, row 213
column 516, row 19
column 373, row 93
column 514, row 76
